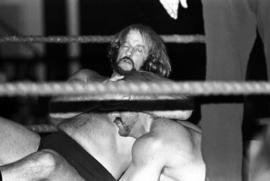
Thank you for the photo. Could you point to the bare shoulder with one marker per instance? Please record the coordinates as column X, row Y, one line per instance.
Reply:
column 147, row 148
column 177, row 138
column 166, row 143
column 86, row 75
column 170, row 129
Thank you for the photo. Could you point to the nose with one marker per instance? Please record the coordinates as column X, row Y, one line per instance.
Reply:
column 130, row 51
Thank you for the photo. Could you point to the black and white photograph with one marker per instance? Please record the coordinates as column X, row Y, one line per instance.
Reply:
column 134, row 90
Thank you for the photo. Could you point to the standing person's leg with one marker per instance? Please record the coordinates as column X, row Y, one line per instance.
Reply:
column 262, row 10
column 230, row 30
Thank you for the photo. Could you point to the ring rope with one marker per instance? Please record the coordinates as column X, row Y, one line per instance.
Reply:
column 192, row 88
column 140, row 88
column 93, row 39
column 42, row 128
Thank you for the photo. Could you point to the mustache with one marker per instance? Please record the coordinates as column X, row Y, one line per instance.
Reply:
column 119, row 69
column 125, row 58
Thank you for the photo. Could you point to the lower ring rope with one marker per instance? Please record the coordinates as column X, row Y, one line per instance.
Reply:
column 97, row 89
column 140, row 88
column 42, row 128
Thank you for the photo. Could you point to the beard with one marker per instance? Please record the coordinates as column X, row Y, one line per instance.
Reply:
column 124, row 66
column 124, row 130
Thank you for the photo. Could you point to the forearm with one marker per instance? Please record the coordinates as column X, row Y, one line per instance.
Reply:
column 36, row 166
column 20, row 172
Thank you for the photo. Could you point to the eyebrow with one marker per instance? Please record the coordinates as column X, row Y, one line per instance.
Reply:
column 139, row 45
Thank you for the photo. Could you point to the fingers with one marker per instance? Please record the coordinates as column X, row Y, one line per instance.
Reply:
column 171, row 6
column 184, row 3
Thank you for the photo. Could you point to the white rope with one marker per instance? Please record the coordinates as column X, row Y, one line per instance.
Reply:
column 142, row 88
column 42, row 128
column 139, row 88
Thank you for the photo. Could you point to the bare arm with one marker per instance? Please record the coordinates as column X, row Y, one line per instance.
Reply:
column 16, row 141
column 147, row 161
column 42, row 165
column 33, row 167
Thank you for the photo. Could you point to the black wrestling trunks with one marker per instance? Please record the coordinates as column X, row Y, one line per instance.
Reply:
column 86, row 165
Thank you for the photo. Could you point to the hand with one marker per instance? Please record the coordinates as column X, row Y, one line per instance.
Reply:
column 171, row 6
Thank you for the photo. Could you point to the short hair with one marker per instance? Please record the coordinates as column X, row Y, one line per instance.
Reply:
column 157, row 61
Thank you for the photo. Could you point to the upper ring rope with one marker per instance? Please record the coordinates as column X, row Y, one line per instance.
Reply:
column 93, row 39
column 140, row 88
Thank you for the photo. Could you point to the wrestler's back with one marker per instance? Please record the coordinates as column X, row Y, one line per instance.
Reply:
column 99, row 137
column 114, row 151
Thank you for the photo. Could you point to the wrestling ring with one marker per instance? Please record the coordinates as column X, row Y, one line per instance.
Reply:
column 100, row 90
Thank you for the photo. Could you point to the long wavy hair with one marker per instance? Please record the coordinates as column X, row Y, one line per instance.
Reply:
column 157, row 61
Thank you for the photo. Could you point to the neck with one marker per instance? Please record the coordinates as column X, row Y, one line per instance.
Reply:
column 143, row 126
